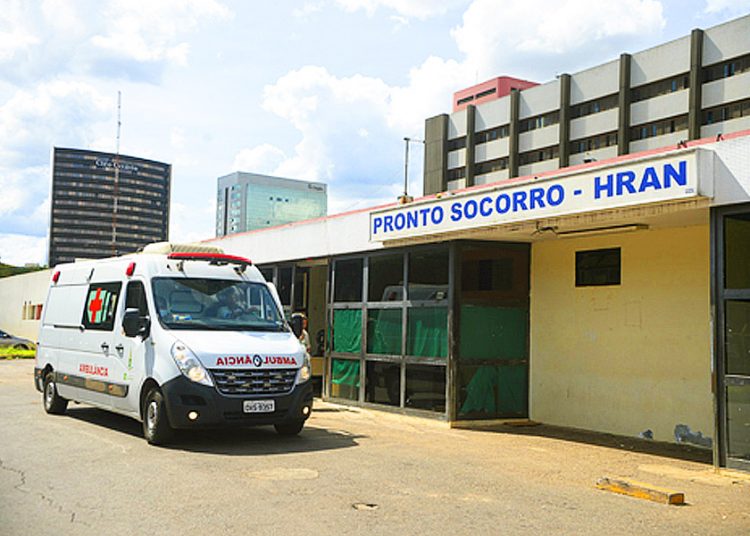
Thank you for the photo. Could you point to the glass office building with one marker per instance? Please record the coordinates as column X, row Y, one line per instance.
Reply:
column 95, row 214
column 247, row 201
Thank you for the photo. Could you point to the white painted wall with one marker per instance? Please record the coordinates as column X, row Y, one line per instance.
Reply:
column 489, row 178
column 583, row 127
column 539, row 167
column 733, row 125
column 659, row 107
column 456, row 185
column 539, row 99
column 492, row 114
column 730, row 89
column 660, row 62
column 539, row 138
column 726, row 41
column 596, row 82
column 658, row 141
column 457, row 124
column 491, row 150
column 16, row 290
column 598, row 155
column 456, row 158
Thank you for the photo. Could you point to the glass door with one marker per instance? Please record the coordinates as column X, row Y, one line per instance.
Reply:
column 733, row 363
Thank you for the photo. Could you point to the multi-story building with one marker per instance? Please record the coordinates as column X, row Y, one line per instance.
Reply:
column 247, row 201
column 96, row 212
column 693, row 87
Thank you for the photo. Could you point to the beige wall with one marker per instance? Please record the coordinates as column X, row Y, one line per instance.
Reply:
column 16, row 290
column 629, row 358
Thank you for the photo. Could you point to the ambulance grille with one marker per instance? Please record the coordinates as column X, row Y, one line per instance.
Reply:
column 254, row 381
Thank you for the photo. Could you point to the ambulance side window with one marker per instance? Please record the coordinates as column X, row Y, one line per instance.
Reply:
column 135, row 298
column 100, row 307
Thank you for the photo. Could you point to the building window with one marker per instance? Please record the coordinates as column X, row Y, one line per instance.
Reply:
column 726, row 69
column 725, row 112
column 491, row 165
column 593, row 106
column 660, row 87
column 456, row 144
column 456, row 173
column 659, row 128
column 492, row 134
column 539, row 121
column 593, row 143
column 539, row 155
column 598, row 267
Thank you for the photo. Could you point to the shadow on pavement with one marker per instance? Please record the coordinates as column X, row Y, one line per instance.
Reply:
column 247, row 441
column 630, row 444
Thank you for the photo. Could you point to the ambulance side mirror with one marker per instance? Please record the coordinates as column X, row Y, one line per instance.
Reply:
column 296, row 325
column 134, row 324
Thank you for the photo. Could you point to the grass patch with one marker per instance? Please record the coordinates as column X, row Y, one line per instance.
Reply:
column 12, row 353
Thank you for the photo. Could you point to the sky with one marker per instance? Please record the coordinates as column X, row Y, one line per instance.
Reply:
column 321, row 90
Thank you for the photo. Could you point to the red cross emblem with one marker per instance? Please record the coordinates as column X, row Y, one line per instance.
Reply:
column 95, row 305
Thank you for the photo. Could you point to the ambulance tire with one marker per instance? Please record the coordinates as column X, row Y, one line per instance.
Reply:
column 54, row 404
column 289, row 428
column 156, row 427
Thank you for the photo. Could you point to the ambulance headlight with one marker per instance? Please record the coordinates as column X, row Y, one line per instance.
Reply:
column 305, row 372
column 189, row 364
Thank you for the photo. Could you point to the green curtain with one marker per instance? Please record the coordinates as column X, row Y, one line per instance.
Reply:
column 384, row 331
column 493, row 332
column 347, row 330
column 345, row 379
column 428, row 332
column 496, row 391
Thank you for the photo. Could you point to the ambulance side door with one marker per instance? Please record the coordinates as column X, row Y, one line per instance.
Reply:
column 89, row 370
column 131, row 352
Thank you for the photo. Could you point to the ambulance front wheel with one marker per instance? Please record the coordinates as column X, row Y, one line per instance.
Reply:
column 156, row 427
column 289, row 428
column 53, row 403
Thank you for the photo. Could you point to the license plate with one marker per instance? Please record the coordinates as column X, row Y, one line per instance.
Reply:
column 259, row 406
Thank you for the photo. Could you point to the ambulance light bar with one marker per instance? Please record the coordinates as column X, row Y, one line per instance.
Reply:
column 211, row 258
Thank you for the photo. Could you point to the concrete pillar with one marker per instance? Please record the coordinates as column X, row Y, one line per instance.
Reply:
column 436, row 154
column 470, row 143
column 696, row 84
column 623, row 101
column 515, row 99
column 564, row 120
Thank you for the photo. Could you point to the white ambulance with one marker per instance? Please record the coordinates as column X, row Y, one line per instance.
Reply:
column 176, row 337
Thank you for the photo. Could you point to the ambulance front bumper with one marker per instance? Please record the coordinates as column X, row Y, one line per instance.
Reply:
column 193, row 405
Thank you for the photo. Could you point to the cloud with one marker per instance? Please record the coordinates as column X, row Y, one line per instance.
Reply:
column 148, row 31
column 264, row 158
column 188, row 224
column 733, row 6
column 21, row 249
column 529, row 46
column 308, row 8
column 16, row 35
column 420, row 9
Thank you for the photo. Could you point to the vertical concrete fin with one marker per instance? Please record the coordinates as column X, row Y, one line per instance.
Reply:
column 435, row 178
column 470, row 143
column 564, row 120
column 515, row 100
column 623, row 102
column 696, row 84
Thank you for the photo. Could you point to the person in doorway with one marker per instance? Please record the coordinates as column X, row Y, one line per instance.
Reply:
column 304, row 336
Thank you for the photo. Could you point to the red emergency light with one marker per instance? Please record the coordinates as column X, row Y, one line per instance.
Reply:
column 211, row 258
column 130, row 270
column 56, row 276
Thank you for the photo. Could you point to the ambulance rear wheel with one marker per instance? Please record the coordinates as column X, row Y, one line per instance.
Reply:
column 289, row 428
column 156, row 427
column 53, row 403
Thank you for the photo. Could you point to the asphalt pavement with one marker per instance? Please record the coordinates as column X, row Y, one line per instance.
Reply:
column 351, row 471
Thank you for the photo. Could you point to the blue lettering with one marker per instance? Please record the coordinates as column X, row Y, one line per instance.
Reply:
column 536, row 198
column 387, row 223
column 680, row 177
column 519, row 201
column 599, row 187
column 485, row 206
column 456, row 211
column 377, row 223
column 470, row 209
column 502, row 203
column 555, row 195
column 625, row 181
column 424, row 212
column 437, row 215
column 412, row 220
column 399, row 222
column 650, row 180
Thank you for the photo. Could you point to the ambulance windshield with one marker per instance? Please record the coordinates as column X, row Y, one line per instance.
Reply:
column 216, row 304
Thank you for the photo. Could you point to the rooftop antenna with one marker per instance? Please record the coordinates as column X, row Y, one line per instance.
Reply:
column 117, row 178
